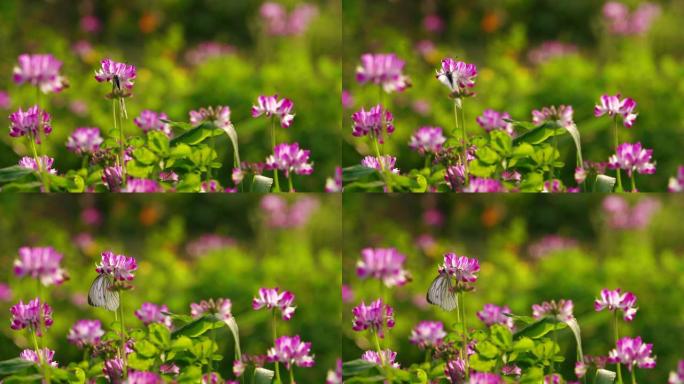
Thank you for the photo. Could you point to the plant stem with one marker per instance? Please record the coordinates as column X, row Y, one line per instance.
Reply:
column 617, row 337
column 634, row 375
column 32, row 142
column 555, row 341
column 377, row 348
column 213, row 340
column 633, row 178
column 460, row 123
column 122, row 146
column 289, row 182
column 41, row 360
column 273, row 144
column 465, row 334
column 617, row 171
column 427, row 161
column 292, row 380
column 275, row 336
column 428, row 355
column 123, row 336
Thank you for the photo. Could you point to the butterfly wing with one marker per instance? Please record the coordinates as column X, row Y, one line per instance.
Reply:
column 100, row 294
column 441, row 293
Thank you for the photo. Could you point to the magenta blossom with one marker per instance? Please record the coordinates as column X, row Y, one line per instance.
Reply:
column 458, row 76
column 113, row 370
column 335, row 376
column 549, row 50
column 142, row 186
column 5, row 100
column 289, row 158
column 271, row 106
column 141, row 377
column 279, row 214
column 385, row 357
column 32, row 122
column 455, row 177
column 207, row 50
column 561, row 310
column 383, row 69
column 291, row 351
column 613, row 300
column 374, row 122
column 427, row 140
column 272, row 298
column 632, row 352
column 44, row 163
column 152, row 313
column 676, row 183
column 493, row 314
column 561, row 115
column 120, row 267
column 484, row 185
column 550, row 244
column 44, row 355
column 41, row 263
column 633, row 158
column 85, row 333
column 220, row 307
column 462, row 268
column 334, row 184
column 31, row 315
column 385, row 264
column 621, row 216
column 373, row 317
column 84, row 141
column 455, row 371
column 485, row 378
column 621, row 22
column 5, row 292
column 491, row 120
column 615, row 106
column 208, row 243
column 40, row 71
column 120, row 74
column 383, row 162
column 279, row 23
column 218, row 115
column 153, row 121
column 112, row 177
column 428, row 334
column 678, row 376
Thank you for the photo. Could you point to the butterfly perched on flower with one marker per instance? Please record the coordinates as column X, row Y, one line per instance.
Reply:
column 441, row 292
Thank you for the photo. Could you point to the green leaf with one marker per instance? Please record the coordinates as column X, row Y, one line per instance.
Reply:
column 159, row 335
column 487, row 350
column 356, row 367
column 604, row 184
column 138, row 362
column 232, row 134
column 190, row 374
column 477, row 168
column 197, row 327
column 180, row 151
column 139, row 170
column 232, row 325
column 145, row 348
column 195, row 135
column 263, row 376
column 487, row 155
column 190, row 182
column 537, row 135
column 524, row 344
column 533, row 375
column 144, row 156
column 158, row 143
column 604, row 376
column 261, row 184
column 539, row 328
column 501, row 142
column 356, row 172
column 575, row 328
column 8, row 367
column 501, row 336
column 13, row 173
column 75, row 183
column 574, row 133
column 179, row 124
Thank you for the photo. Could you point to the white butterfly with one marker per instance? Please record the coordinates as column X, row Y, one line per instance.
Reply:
column 101, row 295
column 441, row 292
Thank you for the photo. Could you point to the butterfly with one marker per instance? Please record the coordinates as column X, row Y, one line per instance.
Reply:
column 441, row 292
column 101, row 295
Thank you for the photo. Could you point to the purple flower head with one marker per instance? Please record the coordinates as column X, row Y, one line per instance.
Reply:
column 41, row 263
column 383, row 162
column 633, row 158
column 142, row 186
column 31, row 315
column 272, row 298
column 483, row 185
column 462, row 268
column 152, row 313
column 279, row 215
column 277, row 22
column 40, row 71
column 44, row 355
column 271, row 106
column 385, row 264
column 383, row 69
column 455, row 177
column 141, row 377
column 511, row 370
column 549, row 50
column 632, row 352
column 112, row 177
column 614, row 299
column 676, row 183
column 552, row 379
column 553, row 186
column 84, row 141
column 375, row 122
column 427, row 140
column 120, row 267
column 85, row 333
column 373, row 317
column 44, row 163
column 5, row 292
column 32, row 122
column 455, row 371
column 120, row 74
column 493, row 314
column 218, row 115
column 621, row 22
column 580, row 175
column 347, row 294
column 153, row 121
column 289, row 158
column 561, row 310
column 347, row 99
column 485, row 378
column 90, row 24
column 335, row 376
column 220, row 307
column 561, row 115
column 678, row 376
column 291, row 351
column 458, row 76
column 493, row 120
column 113, row 370
column 385, row 357
column 615, row 106
column 433, row 23
column 428, row 334
column 211, row 186
column 334, row 184
column 300, row 18
column 5, row 100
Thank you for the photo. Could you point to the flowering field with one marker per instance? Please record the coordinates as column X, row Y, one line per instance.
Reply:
column 179, row 96
column 529, row 96
column 529, row 279
column 186, row 285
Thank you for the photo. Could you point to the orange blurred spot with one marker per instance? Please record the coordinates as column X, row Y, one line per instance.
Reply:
column 490, row 22
column 149, row 216
column 148, row 22
column 490, row 217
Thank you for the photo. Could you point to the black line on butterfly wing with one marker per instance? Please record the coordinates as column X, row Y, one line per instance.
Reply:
column 100, row 294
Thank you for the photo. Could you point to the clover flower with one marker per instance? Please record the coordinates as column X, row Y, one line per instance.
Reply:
column 383, row 69
column 511, row 370
column 143, row 377
column 289, row 158
column 485, row 378
column 561, row 310
column 615, row 106
column 85, row 333
column 455, row 176
column 41, row 263
column 491, row 120
column 334, row 184
column 279, row 23
column 458, row 76
column 291, row 351
column 112, row 177
column 207, row 50
column 220, row 307
column 272, row 106
column 552, row 379
column 493, row 314
column 120, row 267
column 44, row 163
column 120, row 74
column 678, row 376
column 455, row 371
column 621, row 22
column 44, row 355
column 374, row 317
column 632, row 352
column 113, row 370
column 211, row 378
column 272, row 298
column 84, row 141
column 484, row 185
column 614, row 299
column 279, row 214
column 561, row 115
column 142, row 186
column 383, row 162
column 427, row 140
column 31, row 315
column 40, row 71
column 385, row 264
column 462, row 268
column 32, row 122
column 218, row 115
column 153, row 121
column 428, row 334
column 632, row 158
column 335, row 376
column 375, row 122
column 152, row 313
column 621, row 216
column 676, row 183
column 553, row 186
column 385, row 357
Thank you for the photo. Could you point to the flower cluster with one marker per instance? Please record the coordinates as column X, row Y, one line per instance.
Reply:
column 42, row 71
column 458, row 76
column 44, row 355
column 385, row 70
column 561, row 310
column 152, row 313
column 493, row 120
column 41, row 263
column 633, row 159
column 44, row 163
column 462, row 268
column 385, row 264
column 84, row 141
column 428, row 334
column 676, row 183
column 621, row 216
column 85, row 333
column 621, row 21
column 373, row 317
column 220, row 307
column 120, row 267
column 32, row 122
column 32, row 315
column 632, row 352
column 615, row 106
column 120, row 74
column 289, row 158
column 614, row 300
column 384, row 357
column 427, row 140
column 272, row 298
column 561, row 115
column 280, row 214
column 493, row 314
column 155, row 121
column 272, row 106
column 218, row 115
column 279, row 23
column 291, row 351
column 386, row 162
column 375, row 122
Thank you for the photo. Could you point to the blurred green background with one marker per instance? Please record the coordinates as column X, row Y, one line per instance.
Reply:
column 161, row 37
column 159, row 231
column 501, row 38
column 507, row 233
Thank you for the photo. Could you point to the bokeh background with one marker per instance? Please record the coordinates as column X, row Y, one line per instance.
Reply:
column 188, row 248
column 518, row 70
column 189, row 54
column 531, row 249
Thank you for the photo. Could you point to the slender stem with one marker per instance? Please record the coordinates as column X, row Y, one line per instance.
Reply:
column 428, row 354
column 41, row 360
column 460, row 123
column 465, row 334
column 377, row 347
column 273, row 144
column 427, row 161
column 555, row 341
column 289, row 182
column 634, row 375
column 617, row 337
column 616, row 140
column 633, row 178
column 123, row 336
column 122, row 145
column 292, row 379
column 213, row 340
column 275, row 336
column 36, row 158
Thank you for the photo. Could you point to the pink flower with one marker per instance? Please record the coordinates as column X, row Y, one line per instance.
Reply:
column 492, row 314
column 120, row 74
column 561, row 115
column 44, row 163
column 335, row 376
column 41, row 263
column 381, row 163
column 385, row 264
column 383, row 69
column 140, row 377
column 433, row 23
column 485, row 378
column 385, row 357
column 677, row 377
column 112, row 177
column 549, row 50
column 493, row 120
column 153, row 121
column 347, row 99
column 142, row 186
column 427, row 140
column 613, row 300
column 113, row 370
column 291, row 351
column 5, row 292
column 5, row 100
column 84, row 141
column 676, row 183
column 44, row 355
column 208, row 243
column 462, row 268
column 373, row 317
column 90, row 24
column 271, row 106
column 85, row 333
column 120, row 267
column 374, row 122
column 483, row 185
column 633, row 158
column 632, row 352
column 218, row 115
column 32, row 122
column 549, row 244
column 40, row 71
column 289, row 158
column 455, row 177
column 561, row 310
column 458, row 76
column 151, row 313
column 621, row 216
column 272, row 298
column 208, row 50
column 615, row 106
column 428, row 334
column 621, row 22
column 31, row 315
column 334, row 184
column 221, row 308
column 455, row 371
column 281, row 215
